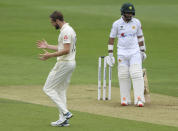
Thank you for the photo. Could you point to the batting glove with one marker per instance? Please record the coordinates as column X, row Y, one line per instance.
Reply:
column 143, row 55
column 110, row 60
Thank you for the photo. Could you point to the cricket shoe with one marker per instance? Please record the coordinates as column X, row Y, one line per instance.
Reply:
column 68, row 115
column 60, row 123
column 124, row 102
column 140, row 104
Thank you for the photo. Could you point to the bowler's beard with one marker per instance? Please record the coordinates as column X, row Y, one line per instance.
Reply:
column 57, row 26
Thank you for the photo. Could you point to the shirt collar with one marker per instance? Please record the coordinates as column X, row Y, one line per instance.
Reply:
column 126, row 22
column 65, row 25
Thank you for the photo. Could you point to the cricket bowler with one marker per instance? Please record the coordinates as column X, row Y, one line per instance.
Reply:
column 130, row 54
column 58, row 79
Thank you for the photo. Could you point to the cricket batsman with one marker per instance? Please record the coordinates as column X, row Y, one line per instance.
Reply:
column 59, row 77
column 130, row 54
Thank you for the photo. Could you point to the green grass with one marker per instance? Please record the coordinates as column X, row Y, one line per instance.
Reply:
column 20, row 116
column 23, row 22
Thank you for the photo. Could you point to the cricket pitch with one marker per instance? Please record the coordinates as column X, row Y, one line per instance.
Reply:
column 162, row 110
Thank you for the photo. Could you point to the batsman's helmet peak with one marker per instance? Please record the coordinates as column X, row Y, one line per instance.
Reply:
column 127, row 8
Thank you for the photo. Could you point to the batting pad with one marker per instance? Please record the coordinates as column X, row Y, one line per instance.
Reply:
column 125, row 83
column 138, row 82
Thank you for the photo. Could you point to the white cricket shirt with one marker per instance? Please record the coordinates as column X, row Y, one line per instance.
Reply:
column 127, row 35
column 67, row 35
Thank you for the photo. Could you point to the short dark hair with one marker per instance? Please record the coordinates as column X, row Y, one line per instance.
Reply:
column 57, row 15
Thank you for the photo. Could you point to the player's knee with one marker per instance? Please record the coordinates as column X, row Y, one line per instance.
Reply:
column 136, row 71
column 123, row 72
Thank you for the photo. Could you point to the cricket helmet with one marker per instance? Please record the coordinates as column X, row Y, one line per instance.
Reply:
column 127, row 8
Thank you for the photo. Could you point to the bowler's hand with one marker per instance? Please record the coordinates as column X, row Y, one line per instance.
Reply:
column 44, row 56
column 42, row 44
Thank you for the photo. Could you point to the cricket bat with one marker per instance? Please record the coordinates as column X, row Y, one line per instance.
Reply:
column 146, row 87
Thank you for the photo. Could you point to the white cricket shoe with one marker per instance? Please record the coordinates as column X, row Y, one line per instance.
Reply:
column 68, row 115
column 140, row 104
column 60, row 123
column 124, row 102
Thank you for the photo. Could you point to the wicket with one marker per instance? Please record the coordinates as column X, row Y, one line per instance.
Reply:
column 104, row 79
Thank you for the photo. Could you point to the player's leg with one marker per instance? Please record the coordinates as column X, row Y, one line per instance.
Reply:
column 52, row 82
column 137, row 79
column 56, row 77
column 50, row 90
column 62, row 118
column 61, row 115
column 62, row 94
column 124, row 80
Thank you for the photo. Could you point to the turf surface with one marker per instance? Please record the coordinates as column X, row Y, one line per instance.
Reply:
column 19, row 116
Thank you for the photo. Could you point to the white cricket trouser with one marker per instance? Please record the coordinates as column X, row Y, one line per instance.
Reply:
column 131, row 66
column 57, row 83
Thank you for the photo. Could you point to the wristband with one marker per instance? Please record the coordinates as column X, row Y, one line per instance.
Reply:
column 142, row 48
column 110, row 47
column 111, row 54
column 141, row 39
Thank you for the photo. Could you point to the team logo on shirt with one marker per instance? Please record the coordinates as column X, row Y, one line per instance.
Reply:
column 65, row 37
column 122, row 35
column 121, row 27
column 133, row 27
